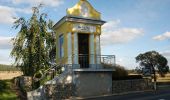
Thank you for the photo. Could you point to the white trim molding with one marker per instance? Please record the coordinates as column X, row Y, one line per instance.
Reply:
column 69, row 47
column 75, row 48
column 98, row 52
column 91, row 49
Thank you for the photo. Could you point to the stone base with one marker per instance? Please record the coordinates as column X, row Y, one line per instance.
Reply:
column 93, row 83
column 77, row 83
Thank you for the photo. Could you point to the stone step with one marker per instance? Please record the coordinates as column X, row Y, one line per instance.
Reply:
column 34, row 95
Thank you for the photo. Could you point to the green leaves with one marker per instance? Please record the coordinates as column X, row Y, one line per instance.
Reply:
column 33, row 42
column 153, row 59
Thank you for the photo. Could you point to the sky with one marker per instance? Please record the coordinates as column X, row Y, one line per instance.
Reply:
column 133, row 26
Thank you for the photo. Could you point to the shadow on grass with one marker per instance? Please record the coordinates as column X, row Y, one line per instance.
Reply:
column 3, row 86
column 6, row 91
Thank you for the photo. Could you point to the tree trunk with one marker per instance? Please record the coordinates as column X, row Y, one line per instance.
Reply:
column 154, row 73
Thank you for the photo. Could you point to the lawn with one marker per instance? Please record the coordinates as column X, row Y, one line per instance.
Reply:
column 7, row 91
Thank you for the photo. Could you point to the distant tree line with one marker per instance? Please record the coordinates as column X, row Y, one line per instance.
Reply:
column 8, row 68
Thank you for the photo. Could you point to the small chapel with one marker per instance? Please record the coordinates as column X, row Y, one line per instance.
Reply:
column 80, row 70
column 78, row 47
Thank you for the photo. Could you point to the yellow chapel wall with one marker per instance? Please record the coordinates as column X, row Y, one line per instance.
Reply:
column 67, row 28
column 62, row 29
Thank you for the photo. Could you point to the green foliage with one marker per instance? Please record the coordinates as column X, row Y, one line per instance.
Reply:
column 33, row 42
column 108, row 66
column 6, row 91
column 44, row 80
column 119, row 72
column 8, row 68
column 47, row 75
column 154, row 61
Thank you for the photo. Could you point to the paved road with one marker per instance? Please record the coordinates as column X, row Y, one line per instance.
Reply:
column 150, row 95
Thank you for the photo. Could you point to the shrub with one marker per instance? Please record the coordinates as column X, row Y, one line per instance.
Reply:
column 119, row 73
column 108, row 66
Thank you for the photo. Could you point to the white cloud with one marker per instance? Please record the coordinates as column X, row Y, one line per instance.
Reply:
column 25, row 10
column 7, row 13
column 5, row 42
column 5, row 57
column 110, row 25
column 112, row 34
column 119, row 61
column 166, row 53
column 164, row 36
column 52, row 3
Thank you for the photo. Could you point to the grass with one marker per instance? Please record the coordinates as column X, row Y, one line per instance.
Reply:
column 6, row 90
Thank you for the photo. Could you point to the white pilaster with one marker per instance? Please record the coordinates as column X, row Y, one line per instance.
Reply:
column 98, row 53
column 69, row 47
column 75, row 48
column 91, row 49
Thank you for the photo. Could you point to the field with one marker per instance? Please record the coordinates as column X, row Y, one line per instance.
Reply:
column 160, row 79
column 9, row 74
column 7, row 91
column 165, row 79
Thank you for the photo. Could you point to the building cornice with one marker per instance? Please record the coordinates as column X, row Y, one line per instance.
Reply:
column 78, row 20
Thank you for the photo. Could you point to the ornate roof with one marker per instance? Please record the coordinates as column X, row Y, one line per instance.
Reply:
column 83, row 9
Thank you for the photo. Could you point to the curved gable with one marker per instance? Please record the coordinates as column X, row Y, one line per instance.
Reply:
column 83, row 9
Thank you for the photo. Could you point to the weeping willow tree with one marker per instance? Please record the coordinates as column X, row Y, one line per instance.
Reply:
column 33, row 42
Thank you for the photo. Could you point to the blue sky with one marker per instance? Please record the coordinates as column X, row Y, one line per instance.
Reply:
column 133, row 26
